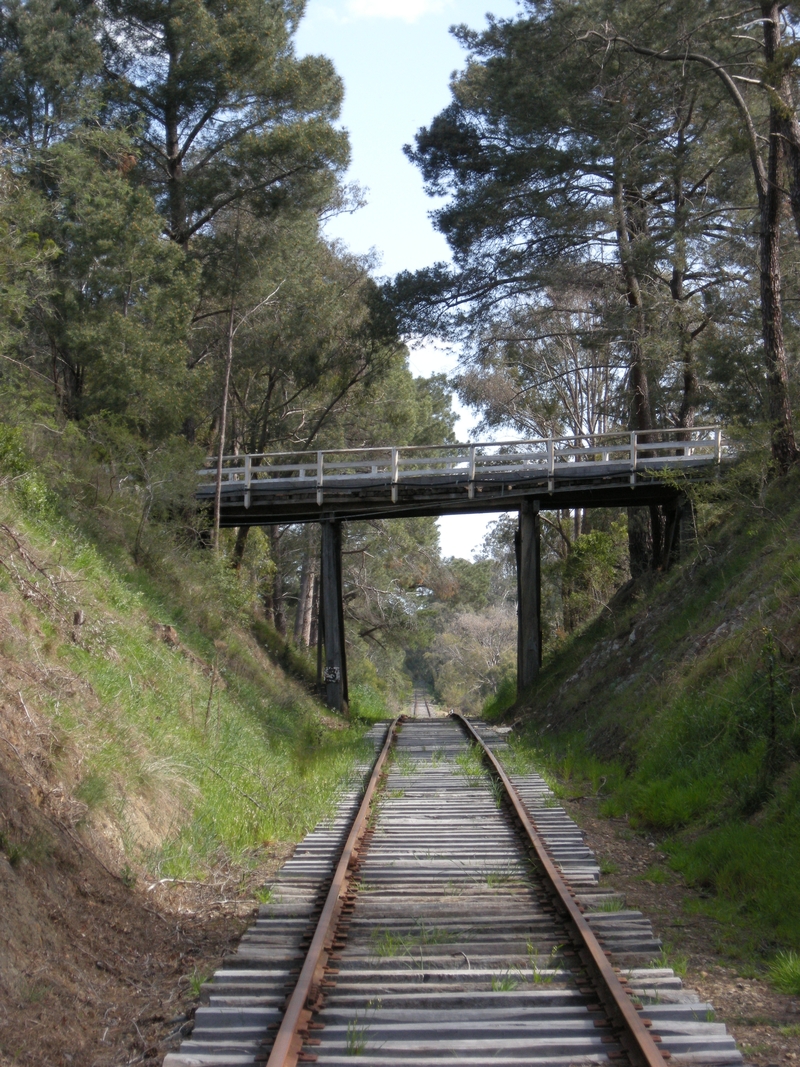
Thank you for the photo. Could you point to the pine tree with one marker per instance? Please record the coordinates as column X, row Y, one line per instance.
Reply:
column 226, row 110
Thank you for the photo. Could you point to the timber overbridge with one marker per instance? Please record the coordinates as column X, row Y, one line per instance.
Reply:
column 619, row 469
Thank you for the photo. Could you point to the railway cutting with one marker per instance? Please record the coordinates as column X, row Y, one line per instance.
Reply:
column 454, row 915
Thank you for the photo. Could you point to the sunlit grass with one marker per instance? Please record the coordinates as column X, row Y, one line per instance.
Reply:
column 784, row 972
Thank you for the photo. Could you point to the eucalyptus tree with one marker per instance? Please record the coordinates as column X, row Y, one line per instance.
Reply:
column 569, row 381
column 312, row 330
column 392, row 571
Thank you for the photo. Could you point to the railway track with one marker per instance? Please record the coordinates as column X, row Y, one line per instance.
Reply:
column 421, row 709
column 458, row 918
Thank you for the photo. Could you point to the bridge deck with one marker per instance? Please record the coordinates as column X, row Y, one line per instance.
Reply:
column 605, row 470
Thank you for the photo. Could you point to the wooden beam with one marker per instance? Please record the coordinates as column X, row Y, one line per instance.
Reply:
column 529, row 596
column 332, row 617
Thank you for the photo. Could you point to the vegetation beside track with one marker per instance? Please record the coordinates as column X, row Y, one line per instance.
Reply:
column 139, row 684
column 679, row 706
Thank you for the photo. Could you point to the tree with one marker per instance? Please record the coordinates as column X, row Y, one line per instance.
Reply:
column 112, row 333
column 227, row 112
column 474, row 656
column 595, row 223
column 25, row 258
column 50, row 64
column 782, row 138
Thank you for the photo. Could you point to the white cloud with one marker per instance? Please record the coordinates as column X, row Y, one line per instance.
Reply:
column 407, row 10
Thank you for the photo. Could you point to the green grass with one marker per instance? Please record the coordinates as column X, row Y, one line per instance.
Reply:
column 196, row 981
column 496, row 706
column 403, row 763
column 494, row 879
column 693, row 731
column 367, row 704
column 610, row 904
column 540, row 967
column 386, row 943
column 784, row 972
column 92, row 790
column 210, row 742
column 668, row 957
column 656, row 875
column 37, row 848
column 357, row 1036
column 470, row 765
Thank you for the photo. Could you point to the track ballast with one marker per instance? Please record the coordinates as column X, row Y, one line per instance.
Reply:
column 444, row 941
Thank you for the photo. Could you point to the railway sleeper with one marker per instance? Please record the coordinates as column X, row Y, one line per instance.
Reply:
column 447, row 946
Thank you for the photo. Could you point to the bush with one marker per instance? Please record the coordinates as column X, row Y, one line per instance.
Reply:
column 505, row 697
column 784, row 973
column 367, row 704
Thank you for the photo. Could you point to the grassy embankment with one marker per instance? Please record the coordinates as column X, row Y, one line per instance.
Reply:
column 679, row 706
column 137, row 683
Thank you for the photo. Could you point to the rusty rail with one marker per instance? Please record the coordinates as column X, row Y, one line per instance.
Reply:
column 633, row 1034
column 289, row 1038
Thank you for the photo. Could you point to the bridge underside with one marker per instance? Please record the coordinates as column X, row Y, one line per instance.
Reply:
column 620, row 469
column 268, row 501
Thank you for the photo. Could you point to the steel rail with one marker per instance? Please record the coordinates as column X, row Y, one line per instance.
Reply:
column 288, row 1039
column 634, row 1035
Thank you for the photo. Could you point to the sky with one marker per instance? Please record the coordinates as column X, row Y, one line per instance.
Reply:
column 395, row 58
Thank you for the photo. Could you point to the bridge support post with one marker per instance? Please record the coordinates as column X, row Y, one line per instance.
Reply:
column 529, row 596
column 332, row 617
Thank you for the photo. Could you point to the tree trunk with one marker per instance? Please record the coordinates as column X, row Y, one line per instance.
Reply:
column 641, row 535
column 312, row 640
column 784, row 448
column 222, row 427
column 302, row 618
column 685, row 339
column 781, row 122
column 239, row 547
column 278, row 594
column 782, row 98
column 657, row 530
column 176, row 196
column 640, row 541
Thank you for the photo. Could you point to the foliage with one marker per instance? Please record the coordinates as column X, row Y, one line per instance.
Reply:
column 505, row 697
column 200, row 728
column 693, row 732
column 785, row 973
column 473, row 656
column 227, row 111
column 367, row 704
column 123, row 297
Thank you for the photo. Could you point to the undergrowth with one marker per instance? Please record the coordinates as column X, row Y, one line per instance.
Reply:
column 678, row 709
column 167, row 714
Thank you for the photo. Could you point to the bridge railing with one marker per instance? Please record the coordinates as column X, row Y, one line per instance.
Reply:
column 630, row 451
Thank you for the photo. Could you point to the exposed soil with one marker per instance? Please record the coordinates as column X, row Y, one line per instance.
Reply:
column 94, row 972
column 765, row 1024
